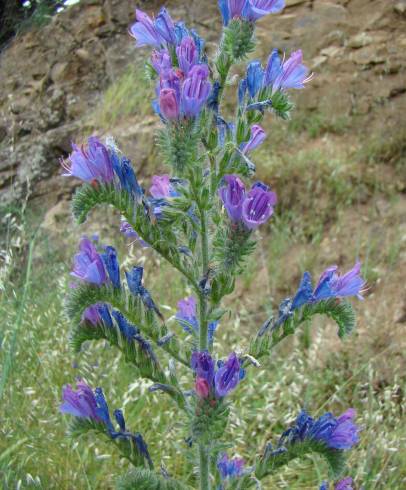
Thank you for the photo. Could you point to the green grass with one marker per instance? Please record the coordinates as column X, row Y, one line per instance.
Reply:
column 128, row 96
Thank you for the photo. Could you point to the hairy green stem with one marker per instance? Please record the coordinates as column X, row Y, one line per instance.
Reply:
column 204, row 459
column 204, row 451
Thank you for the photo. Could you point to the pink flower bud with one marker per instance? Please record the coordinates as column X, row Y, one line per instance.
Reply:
column 202, row 387
column 168, row 104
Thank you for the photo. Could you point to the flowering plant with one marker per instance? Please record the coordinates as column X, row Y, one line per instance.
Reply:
column 202, row 220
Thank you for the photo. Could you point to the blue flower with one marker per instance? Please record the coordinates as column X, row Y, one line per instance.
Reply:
column 230, row 468
column 337, row 433
column 112, row 266
column 134, row 281
column 305, row 292
column 332, row 285
column 128, row 330
column 255, row 77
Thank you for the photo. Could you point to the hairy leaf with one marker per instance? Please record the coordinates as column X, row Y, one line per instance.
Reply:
column 143, row 479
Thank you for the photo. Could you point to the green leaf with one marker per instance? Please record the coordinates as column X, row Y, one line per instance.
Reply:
column 145, row 361
column 127, row 446
column 163, row 239
column 338, row 310
column 132, row 308
column 143, row 479
column 271, row 462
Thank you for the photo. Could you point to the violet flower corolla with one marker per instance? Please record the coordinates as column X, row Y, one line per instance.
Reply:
column 336, row 433
column 161, row 190
column 230, row 468
column 250, row 209
column 89, row 163
column 88, row 265
column 248, row 10
column 258, row 136
column 222, row 381
column 186, row 315
column 258, row 205
column 145, row 31
column 344, row 484
column 332, row 285
column 128, row 231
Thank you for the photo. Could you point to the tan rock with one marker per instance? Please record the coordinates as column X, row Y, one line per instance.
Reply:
column 59, row 71
column 359, row 40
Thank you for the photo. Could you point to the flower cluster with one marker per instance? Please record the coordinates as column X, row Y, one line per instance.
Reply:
column 183, row 87
column 336, row 433
column 85, row 403
column 186, row 315
column 216, row 382
column 344, row 484
column 252, row 208
column 278, row 75
column 230, row 468
column 248, row 10
column 330, row 285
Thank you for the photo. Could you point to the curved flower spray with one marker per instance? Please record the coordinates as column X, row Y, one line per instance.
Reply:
column 202, row 216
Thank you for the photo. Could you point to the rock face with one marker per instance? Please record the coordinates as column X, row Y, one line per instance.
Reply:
column 53, row 78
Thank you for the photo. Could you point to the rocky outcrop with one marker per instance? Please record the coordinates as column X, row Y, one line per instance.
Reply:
column 53, row 78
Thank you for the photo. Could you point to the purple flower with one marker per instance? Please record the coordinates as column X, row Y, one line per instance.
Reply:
column 293, row 73
column 186, row 314
column 203, row 365
column 80, row 403
column 230, row 468
column 161, row 60
column 345, row 433
column 145, row 32
column 169, row 104
column 233, row 195
column 228, row 376
column 187, row 54
column 344, row 484
column 236, row 7
column 324, row 486
column 165, row 27
column 257, row 207
column 332, row 285
column 91, row 315
column 255, row 9
column 195, row 91
column 258, row 136
column 129, row 232
column 88, row 264
column 89, row 163
column 161, row 187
